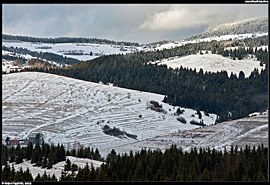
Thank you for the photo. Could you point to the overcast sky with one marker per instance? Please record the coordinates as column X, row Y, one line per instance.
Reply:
column 143, row 23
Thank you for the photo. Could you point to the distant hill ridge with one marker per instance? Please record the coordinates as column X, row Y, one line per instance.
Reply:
column 66, row 40
column 253, row 25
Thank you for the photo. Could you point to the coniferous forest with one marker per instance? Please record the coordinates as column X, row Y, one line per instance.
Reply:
column 174, row 164
column 65, row 40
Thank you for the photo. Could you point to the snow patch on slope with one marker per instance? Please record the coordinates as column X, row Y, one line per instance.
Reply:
column 212, row 63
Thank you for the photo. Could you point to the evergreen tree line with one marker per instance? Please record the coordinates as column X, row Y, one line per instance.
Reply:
column 44, row 55
column 9, row 174
column 197, row 165
column 87, row 152
column 255, row 42
column 237, row 164
column 13, row 58
column 240, row 53
column 211, row 92
column 67, row 40
column 45, row 155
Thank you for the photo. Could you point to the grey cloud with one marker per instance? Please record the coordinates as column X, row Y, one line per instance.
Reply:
column 122, row 22
column 178, row 17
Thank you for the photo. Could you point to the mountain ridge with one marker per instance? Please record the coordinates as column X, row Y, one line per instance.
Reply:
column 252, row 25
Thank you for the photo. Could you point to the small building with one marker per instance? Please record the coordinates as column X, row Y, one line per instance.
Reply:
column 13, row 142
column 23, row 142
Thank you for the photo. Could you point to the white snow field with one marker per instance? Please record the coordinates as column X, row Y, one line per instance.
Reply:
column 73, row 50
column 251, row 131
column 73, row 112
column 212, row 63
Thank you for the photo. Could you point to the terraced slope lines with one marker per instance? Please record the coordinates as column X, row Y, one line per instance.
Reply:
column 75, row 112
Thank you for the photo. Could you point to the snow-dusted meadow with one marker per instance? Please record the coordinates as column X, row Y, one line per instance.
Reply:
column 251, row 131
column 73, row 112
column 73, row 50
column 213, row 63
column 70, row 111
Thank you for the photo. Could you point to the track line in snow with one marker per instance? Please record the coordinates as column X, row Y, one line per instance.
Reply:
column 57, row 121
column 253, row 130
column 22, row 88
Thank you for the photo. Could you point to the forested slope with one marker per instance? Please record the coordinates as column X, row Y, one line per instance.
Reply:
column 229, row 97
column 244, row 164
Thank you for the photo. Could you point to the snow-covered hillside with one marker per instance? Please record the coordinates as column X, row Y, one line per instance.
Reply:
column 174, row 44
column 251, row 26
column 251, row 131
column 74, row 112
column 9, row 65
column 86, row 51
column 239, row 30
column 212, row 63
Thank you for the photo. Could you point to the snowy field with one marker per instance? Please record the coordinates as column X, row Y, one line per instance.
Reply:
column 72, row 50
column 73, row 112
column 251, row 131
column 70, row 111
column 212, row 63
